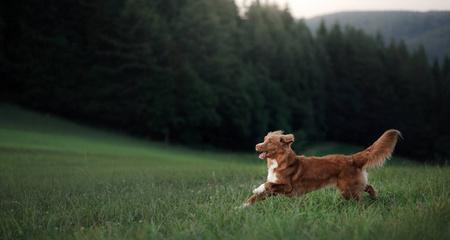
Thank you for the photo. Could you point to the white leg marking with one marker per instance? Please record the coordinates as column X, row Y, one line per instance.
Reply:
column 365, row 177
column 260, row 189
column 244, row 205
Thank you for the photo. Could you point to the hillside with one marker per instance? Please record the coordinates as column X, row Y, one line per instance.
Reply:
column 23, row 129
column 34, row 132
column 432, row 29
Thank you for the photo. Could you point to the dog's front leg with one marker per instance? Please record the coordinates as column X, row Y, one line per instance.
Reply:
column 266, row 190
column 261, row 189
column 278, row 188
column 255, row 198
column 260, row 193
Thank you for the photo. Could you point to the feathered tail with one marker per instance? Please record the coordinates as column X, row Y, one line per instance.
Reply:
column 379, row 151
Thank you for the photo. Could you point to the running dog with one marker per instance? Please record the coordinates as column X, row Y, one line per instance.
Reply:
column 292, row 175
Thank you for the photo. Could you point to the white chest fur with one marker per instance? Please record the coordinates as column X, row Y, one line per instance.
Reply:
column 271, row 174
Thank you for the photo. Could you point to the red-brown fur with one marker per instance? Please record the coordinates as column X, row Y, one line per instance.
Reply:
column 297, row 175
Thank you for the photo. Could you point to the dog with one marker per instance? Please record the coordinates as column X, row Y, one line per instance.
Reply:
column 292, row 175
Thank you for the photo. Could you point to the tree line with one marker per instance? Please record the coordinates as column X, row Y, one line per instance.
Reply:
column 199, row 72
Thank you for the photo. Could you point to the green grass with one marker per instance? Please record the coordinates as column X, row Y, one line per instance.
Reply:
column 59, row 180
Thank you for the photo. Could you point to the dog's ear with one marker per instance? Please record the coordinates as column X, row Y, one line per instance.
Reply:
column 288, row 138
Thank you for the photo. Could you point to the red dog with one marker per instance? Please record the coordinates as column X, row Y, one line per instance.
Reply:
column 293, row 175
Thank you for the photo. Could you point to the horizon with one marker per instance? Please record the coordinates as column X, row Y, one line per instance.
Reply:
column 306, row 10
column 377, row 11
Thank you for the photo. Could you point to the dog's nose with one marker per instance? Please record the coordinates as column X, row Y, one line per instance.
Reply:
column 257, row 146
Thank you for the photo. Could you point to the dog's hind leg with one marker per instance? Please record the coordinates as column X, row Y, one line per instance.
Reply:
column 371, row 191
column 368, row 189
column 350, row 190
column 348, row 194
column 351, row 183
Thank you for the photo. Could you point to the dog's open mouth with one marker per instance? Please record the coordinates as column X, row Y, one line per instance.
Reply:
column 263, row 155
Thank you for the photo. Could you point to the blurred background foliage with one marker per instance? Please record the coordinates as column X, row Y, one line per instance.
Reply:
column 198, row 72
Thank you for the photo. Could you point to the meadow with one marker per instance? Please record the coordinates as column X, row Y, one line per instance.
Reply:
column 62, row 180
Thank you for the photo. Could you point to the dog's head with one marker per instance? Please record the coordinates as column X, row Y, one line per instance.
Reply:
column 275, row 143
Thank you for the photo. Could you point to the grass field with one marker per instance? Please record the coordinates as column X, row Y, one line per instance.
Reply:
column 59, row 180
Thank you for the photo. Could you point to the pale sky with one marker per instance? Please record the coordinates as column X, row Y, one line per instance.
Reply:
column 311, row 8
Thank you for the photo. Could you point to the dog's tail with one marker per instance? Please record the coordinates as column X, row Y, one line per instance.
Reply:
column 379, row 151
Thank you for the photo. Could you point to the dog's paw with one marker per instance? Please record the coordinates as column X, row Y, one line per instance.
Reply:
column 244, row 205
column 259, row 189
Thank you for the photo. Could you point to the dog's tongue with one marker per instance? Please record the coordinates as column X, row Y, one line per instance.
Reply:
column 262, row 155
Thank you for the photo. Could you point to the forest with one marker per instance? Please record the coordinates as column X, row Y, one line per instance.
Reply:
column 203, row 73
column 427, row 28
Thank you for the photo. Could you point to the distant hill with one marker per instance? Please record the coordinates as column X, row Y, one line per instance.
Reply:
column 432, row 29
